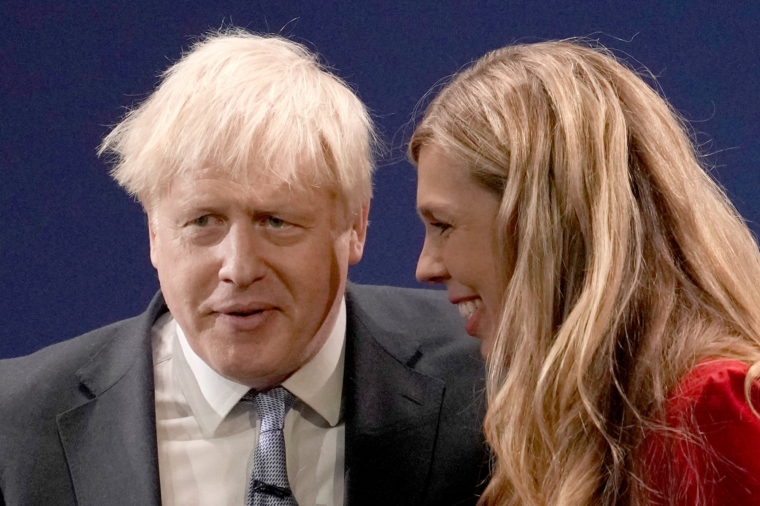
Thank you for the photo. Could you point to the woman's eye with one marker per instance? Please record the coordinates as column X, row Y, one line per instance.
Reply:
column 442, row 227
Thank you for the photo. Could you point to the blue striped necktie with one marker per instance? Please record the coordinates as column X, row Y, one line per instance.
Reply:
column 268, row 485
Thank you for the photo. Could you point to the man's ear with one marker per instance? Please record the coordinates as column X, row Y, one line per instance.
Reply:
column 153, row 240
column 358, row 235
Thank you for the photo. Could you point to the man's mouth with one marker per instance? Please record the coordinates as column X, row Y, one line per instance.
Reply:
column 245, row 319
column 244, row 313
column 242, row 309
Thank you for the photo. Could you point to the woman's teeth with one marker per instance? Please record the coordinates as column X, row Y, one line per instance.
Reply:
column 468, row 307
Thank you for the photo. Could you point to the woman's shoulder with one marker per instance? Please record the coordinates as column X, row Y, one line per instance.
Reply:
column 718, row 459
column 712, row 393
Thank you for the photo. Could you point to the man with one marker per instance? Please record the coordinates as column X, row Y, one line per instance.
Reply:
column 256, row 376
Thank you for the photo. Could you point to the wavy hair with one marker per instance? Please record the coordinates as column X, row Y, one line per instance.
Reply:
column 247, row 107
column 624, row 264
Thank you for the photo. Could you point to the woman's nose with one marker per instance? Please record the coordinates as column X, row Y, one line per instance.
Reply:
column 430, row 265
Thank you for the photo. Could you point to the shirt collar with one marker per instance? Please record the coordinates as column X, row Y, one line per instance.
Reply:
column 318, row 383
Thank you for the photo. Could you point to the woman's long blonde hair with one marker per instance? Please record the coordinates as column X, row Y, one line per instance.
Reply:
column 624, row 264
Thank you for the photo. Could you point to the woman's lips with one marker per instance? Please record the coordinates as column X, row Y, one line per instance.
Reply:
column 469, row 311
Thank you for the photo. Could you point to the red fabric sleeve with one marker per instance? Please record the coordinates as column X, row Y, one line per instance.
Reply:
column 721, row 466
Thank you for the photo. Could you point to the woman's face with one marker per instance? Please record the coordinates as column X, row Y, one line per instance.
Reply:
column 460, row 230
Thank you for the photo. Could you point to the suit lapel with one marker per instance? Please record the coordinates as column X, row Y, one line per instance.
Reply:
column 110, row 440
column 391, row 414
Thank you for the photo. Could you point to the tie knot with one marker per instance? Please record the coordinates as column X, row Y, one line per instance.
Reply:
column 272, row 406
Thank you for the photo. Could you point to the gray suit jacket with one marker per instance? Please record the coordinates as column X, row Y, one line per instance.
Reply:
column 77, row 419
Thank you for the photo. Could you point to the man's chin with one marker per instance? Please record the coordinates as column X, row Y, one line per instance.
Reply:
column 258, row 380
column 254, row 368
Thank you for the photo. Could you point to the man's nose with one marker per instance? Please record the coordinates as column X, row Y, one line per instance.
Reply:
column 430, row 265
column 241, row 256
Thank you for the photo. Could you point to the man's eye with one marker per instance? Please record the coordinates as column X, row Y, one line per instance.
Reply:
column 201, row 221
column 274, row 222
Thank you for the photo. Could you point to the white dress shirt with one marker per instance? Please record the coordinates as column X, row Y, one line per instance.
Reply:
column 206, row 438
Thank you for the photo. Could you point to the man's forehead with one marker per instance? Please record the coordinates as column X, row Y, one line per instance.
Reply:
column 208, row 184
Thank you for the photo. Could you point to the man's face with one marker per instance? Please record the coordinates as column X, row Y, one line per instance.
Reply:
column 253, row 275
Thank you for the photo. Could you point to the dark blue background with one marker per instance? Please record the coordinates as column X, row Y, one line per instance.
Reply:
column 73, row 246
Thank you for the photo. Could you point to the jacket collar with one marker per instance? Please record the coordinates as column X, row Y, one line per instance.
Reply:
column 110, row 440
column 389, row 409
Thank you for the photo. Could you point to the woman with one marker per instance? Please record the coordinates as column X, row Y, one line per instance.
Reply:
column 615, row 289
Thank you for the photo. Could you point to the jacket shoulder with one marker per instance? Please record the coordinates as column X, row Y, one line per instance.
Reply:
column 54, row 368
column 411, row 322
column 407, row 310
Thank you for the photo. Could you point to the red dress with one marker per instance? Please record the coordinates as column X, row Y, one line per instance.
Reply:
column 720, row 467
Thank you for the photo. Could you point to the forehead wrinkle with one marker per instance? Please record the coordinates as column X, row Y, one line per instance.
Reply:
column 300, row 171
column 267, row 196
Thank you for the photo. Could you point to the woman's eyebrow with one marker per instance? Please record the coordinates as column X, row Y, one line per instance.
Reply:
column 425, row 212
